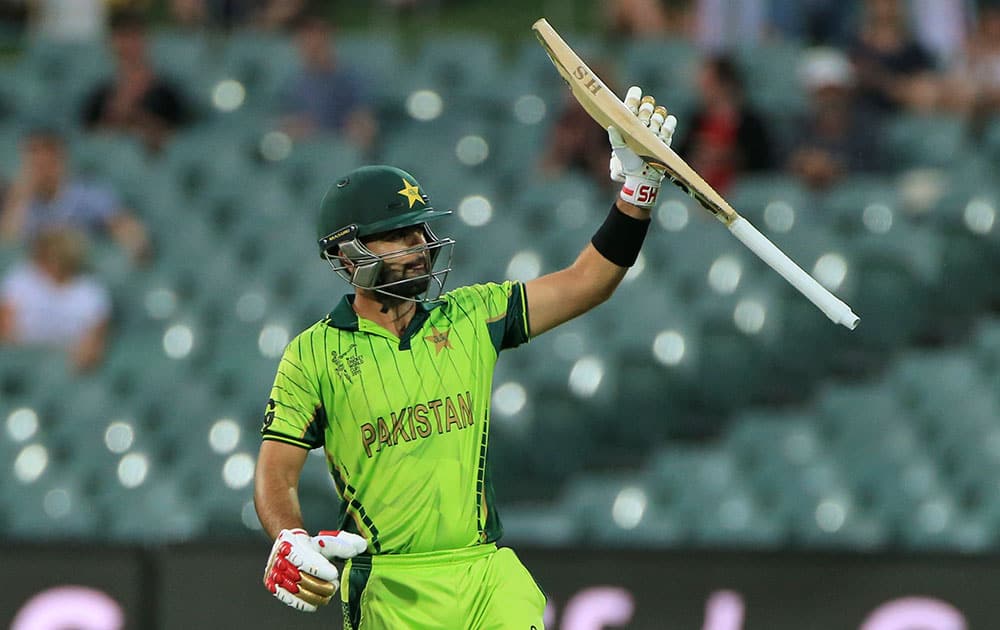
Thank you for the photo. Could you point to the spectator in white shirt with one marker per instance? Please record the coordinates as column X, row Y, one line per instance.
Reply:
column 50, row 301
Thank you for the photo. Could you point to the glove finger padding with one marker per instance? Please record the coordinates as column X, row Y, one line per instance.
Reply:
column 632, row 98
column 298, row 574
column 666, row 132
column 313, row 563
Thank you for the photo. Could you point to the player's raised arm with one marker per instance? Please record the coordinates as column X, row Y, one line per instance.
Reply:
column 591, row 279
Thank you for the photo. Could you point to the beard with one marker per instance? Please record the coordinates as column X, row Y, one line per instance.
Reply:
column 412, row 280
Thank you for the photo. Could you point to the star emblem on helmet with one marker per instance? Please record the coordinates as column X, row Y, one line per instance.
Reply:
column 411, row 192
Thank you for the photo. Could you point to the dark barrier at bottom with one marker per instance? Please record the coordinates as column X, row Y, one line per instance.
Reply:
column 211, row 586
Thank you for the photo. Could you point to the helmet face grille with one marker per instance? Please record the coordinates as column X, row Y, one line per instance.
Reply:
column 388, row 273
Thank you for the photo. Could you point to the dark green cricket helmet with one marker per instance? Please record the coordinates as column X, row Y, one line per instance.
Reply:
column 373, row 200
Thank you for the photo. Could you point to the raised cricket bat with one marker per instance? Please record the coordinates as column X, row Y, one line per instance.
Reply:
column 607, row 109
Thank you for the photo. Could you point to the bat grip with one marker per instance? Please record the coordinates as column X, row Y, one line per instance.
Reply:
column 837, row 311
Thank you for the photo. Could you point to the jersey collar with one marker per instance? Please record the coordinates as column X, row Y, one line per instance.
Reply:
column 344, row 317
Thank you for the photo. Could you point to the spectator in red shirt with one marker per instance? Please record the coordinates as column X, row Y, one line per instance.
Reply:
column 725, row 136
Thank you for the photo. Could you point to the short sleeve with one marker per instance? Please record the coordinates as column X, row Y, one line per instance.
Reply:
column 359, row 90
column 102, row 202
column 95, row 302
column 505, row 310
column 9, row 285
column 294, row 412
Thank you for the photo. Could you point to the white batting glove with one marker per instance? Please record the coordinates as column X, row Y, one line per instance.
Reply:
column 641, row 180
column 299, row 571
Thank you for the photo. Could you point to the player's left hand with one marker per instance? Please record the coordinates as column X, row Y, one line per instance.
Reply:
column 299, row 571
column 641, row 180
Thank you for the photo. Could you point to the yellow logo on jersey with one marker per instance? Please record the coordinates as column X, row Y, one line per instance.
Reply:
column 411, row 192
column 439, row 339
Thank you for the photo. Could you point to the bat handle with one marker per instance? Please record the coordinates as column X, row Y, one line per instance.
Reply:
column 837, row 311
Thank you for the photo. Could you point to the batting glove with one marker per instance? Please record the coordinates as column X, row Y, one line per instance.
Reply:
column 299, row 571
column 641, row 180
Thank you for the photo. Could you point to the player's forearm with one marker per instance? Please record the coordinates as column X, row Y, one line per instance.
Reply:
column 591, row 279
column 277, row 505
column 14, row 214
column 276, row 483
column 633, row 211
column 559, row 297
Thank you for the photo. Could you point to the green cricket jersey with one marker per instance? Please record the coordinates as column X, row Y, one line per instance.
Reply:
column 404, row 422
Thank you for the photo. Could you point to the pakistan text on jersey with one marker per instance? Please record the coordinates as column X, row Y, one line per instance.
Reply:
column 417, row 421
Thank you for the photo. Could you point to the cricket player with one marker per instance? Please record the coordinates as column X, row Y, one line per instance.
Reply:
column 394, row 384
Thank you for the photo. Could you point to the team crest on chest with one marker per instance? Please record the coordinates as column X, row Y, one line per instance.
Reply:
column 439, row 339
column 347, row 364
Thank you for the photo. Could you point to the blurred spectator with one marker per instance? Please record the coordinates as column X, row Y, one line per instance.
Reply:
column 974, row 83
column 135, row 100
column 263, row 14
column 44, row 196
column 725, row 136
column 649, row 18
column 14, row 16
column 325, row 95
column 941, row 26
column 835, row 138
column 894, row 72
column 279, row 14
column 190, row 13
column 49, row 301
column 815, row 22
column 69, row 20
column 723, row 24
column 576, row 144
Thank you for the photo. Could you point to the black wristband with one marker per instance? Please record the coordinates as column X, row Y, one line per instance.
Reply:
column 620, row 237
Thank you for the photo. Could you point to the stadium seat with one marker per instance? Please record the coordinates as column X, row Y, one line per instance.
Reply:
column 262, row 63
column 376, row 57
column 537, row 525
column 860, row 204
column 71, row 69
column 315, row 164
column 919, row 376
column 753, row 195
column 56, row 504
column 889, row 289
column 915, row 140
column 987, row 345
column 187, row 59
column 10, row 155
column 938, row 524
column 158, row 510
column 456, row 64
column 590, row 500
column 109, row 158
column 681, row 476
column 642, row 64
column 769, row 67
column 570, row 201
